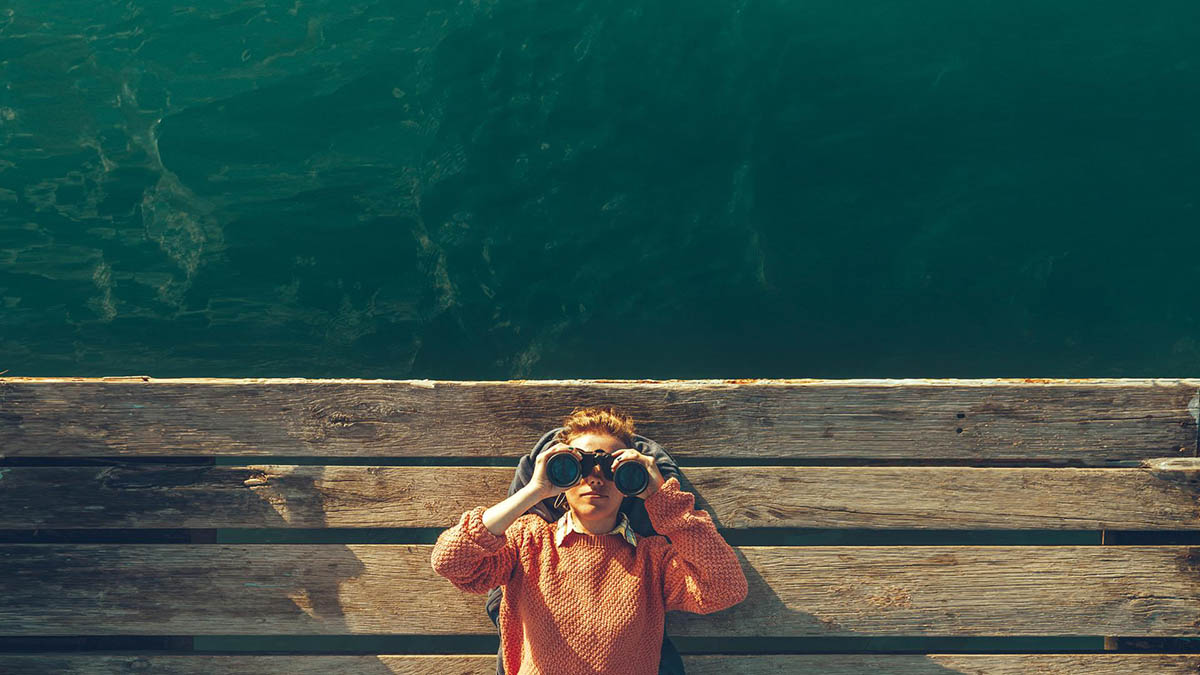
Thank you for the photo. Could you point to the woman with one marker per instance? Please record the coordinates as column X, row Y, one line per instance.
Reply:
column 586, row 594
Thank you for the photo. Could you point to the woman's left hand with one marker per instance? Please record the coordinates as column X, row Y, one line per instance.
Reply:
column 631, row 455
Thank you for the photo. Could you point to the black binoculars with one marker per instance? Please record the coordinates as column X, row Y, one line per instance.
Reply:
column 565, row 470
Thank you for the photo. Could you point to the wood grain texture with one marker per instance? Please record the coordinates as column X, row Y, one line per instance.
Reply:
column 772, row 664
column 1163, row 495
column 1078, row 422
column 300, row 589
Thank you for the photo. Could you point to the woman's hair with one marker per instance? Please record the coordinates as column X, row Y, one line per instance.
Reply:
column 597, row 420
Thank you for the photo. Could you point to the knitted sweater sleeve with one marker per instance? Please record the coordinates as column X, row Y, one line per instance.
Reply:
column 701, row 572
column 473, row 558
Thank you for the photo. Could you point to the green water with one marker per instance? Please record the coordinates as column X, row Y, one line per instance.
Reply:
column 488, row 190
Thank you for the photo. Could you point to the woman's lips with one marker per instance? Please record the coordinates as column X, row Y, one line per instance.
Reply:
column 595, row 496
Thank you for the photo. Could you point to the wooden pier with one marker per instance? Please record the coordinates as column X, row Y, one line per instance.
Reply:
column 767, row 458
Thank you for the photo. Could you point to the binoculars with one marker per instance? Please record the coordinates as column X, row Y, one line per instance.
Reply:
column 565, row 470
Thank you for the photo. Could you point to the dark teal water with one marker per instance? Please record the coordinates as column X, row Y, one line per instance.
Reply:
column 491, row 190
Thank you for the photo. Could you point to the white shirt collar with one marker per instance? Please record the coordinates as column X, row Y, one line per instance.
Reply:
column 567, row 524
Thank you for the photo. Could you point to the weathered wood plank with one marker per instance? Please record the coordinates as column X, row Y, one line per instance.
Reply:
column 1161, row 496
column 58, row 589
column 767, row 664
column 1083, row 422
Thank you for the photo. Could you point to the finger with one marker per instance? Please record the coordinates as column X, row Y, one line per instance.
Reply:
column 629, row 455
column 545, row 455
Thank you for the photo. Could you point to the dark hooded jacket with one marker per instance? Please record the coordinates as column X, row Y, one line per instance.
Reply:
column 633, row 507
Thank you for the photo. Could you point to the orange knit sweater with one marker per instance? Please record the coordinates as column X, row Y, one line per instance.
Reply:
column 597, row 603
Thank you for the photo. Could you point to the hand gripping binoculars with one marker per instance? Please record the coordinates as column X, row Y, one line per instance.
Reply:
column 565, row 470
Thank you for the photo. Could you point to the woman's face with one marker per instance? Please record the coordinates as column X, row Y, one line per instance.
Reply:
column 594, row 496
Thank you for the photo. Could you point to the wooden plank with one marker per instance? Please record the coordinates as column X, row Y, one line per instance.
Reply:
column 299, row 589
column 718, row 664
column 1162, row 495
column 1079, row 422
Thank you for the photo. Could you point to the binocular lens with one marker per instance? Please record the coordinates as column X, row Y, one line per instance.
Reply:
column 631, row 478
column 564, row 470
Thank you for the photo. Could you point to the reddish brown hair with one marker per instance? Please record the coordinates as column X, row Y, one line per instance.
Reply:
column 597, row 420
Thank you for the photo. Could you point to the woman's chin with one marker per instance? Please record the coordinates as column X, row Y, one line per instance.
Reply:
column 593, row 507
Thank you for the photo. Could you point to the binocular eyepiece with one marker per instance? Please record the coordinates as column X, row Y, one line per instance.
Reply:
column 565, row 470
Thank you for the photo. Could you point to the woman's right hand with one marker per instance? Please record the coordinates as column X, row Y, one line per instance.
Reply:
column 540, row 482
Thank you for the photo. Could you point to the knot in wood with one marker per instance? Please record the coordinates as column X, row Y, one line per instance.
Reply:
column 257, row 480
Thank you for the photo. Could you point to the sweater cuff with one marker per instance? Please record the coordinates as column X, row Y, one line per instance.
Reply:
column 471, row 524
column 668, row 506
